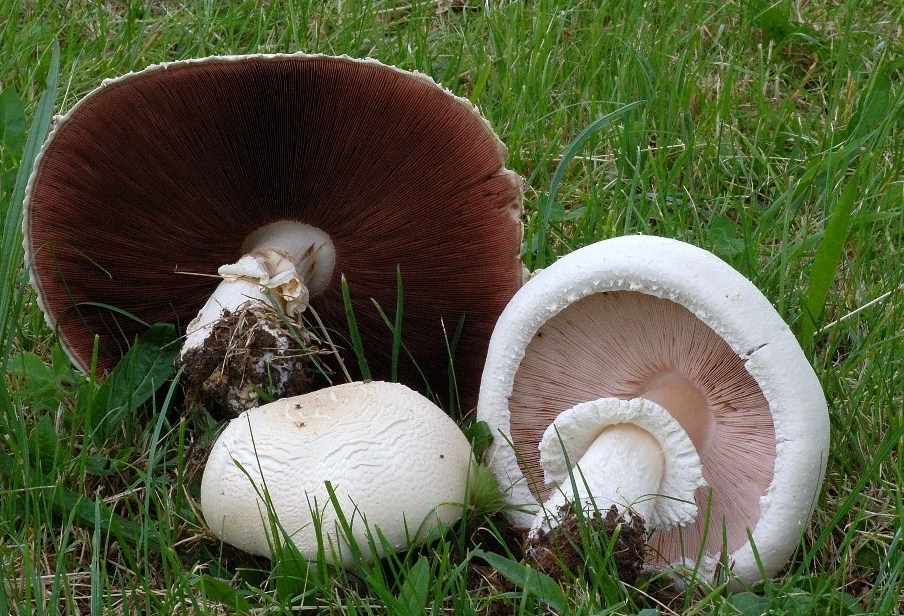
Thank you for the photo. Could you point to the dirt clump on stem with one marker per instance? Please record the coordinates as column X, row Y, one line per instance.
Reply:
column 561, row 552
column 251, row 357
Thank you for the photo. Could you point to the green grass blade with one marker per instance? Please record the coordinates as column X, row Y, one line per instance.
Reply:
column 221, row 591
column 344, row 526
column 395, row 326
column 547, row 205
column 415, row 590
column 890, row 574
column 152, row 456
column 12, row 123
column 145, row 367
column 67, row 501
column 538, row 584
column 397, row 329
column 353, row 332
column 11, row 242
column 845, row 507
column 96, row 582
column 454, row 408
column 825, row 263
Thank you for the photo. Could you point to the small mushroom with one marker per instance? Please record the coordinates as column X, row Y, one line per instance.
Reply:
column 273, row 176
column 397, row 464
column 643, row 361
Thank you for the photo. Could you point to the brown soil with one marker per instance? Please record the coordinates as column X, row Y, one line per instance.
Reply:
column 560, row 553
column 248, row 359
column 486, row 581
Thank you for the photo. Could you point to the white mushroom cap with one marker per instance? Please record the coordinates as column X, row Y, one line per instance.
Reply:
column 397, row 463
column 580, row 329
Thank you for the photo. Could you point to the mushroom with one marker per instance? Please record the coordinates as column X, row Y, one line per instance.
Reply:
column 644, row 361
column 272, row 177
column 398, row 466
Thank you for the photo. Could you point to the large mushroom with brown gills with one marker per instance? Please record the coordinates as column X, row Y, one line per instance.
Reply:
column 647, row 374
column 192, row 191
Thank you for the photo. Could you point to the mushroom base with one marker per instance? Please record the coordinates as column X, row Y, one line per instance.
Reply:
column 559, row 552
column 249, row 358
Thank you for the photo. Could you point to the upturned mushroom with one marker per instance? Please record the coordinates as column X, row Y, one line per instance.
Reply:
column 227, row 193
column 674, row 389
column 398, row 466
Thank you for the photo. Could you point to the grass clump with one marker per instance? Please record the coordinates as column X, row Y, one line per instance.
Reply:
column 770, row 134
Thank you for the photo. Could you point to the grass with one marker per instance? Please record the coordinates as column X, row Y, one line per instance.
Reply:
column 770, row 134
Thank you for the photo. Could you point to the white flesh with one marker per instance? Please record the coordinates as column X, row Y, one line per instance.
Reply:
column 623, row 467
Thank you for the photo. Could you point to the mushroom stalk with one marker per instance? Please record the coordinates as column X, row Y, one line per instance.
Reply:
column 249, row 336
column 253, row 280
column 630, row 453
column 286, row 261
column 624, row 467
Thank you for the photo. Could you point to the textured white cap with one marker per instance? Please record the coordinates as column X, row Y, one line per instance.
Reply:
column 394, row 459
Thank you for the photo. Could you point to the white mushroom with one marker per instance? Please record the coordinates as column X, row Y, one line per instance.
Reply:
column 397, row 463
column 662, row 321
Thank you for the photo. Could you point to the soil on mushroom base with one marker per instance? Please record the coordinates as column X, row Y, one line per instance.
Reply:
column 247, row 352
column 560, row 552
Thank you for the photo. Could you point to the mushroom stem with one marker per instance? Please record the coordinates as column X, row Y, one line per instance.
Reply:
column 288, row 261
column 240, row 342
column 629, row 454
column 309, row 248
column 247, row 282
column 622, row 468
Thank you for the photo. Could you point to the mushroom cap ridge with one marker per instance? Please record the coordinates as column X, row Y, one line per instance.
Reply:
column 731, row 306
column 74, row 273
column 391, row 455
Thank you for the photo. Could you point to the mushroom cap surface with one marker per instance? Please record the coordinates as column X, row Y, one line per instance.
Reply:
column 167, row 172
column 397, row 463
column 578, row 330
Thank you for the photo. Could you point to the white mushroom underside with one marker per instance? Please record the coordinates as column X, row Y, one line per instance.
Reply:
column 735, row 310
column 645, row 345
